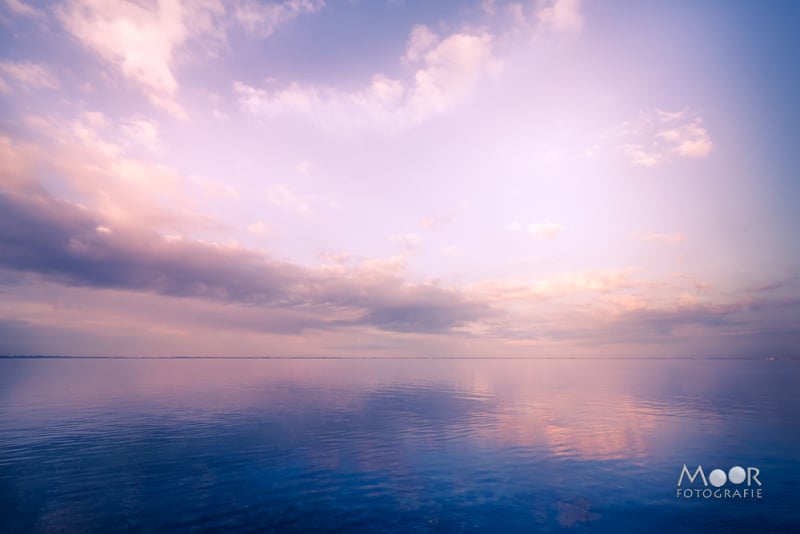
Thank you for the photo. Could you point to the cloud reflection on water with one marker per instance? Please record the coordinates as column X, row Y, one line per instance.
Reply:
column 213, row 443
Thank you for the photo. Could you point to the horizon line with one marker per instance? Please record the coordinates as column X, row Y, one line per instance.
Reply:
column 78, row 357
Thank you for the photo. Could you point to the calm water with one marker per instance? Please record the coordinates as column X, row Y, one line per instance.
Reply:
column 394, row 446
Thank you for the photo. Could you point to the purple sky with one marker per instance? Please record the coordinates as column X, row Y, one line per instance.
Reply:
column 399, row 178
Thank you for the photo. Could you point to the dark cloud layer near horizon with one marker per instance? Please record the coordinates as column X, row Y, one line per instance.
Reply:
column 70, row 245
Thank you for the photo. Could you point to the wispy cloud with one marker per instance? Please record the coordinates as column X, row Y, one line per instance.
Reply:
column 19, row 7
column 94, row 158
column 221, row 222
column 446, row 69
column 215, row 189
column 139, row 39
column 433, row 222
column 142, row 39
column 142, row 132
column 409, row 242
column 286, row 197
column 669, row 239
column 547, row 230
column 420, row 41
column 689, row 140
column 561, row 15
column 28, row 76
column 60, row 240
column 655, row 138
column 558, row 285
column 263, row 18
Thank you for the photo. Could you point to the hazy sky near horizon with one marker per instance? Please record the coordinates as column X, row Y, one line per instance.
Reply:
column 390, row 178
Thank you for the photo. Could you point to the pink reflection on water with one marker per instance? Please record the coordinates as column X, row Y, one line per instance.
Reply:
column 586, row 409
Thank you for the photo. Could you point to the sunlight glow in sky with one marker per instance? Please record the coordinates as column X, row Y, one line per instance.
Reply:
column 399, row 178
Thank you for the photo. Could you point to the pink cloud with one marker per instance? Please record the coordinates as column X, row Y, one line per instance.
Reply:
column 561, row 15
column 28, row 76
column 655, row 138
column 446, row 70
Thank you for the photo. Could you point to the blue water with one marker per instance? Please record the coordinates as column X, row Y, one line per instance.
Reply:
column 191, row 445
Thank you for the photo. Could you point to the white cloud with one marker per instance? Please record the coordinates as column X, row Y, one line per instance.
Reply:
column 638, row 155
column 142, row 132
column 449, row 68
column 116, row 137
column 92, row 130
column 434, row 222
column 263, row 18
column 689, row 140
column 561, row 15
column 669, row 116
column 420, row 41
column 546, row 230
column 557, row 285
column 655, row 138
column 89, row 155
column 28, row 75
column 142, row 39
column 293, row 99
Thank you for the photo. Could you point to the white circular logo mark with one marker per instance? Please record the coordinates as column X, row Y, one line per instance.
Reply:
column 717, row 478
column 736, row 475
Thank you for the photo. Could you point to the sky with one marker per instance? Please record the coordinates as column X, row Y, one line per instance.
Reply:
column 487, row 178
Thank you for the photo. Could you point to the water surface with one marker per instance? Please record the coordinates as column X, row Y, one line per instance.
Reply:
column 118, row 445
